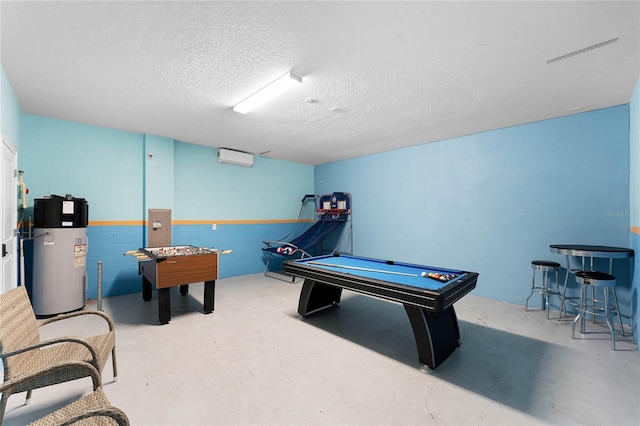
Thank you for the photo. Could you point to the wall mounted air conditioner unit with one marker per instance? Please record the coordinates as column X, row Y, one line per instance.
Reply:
column 237, row 158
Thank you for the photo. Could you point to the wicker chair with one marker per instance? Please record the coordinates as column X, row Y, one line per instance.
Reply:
column 92, row 409
column 31, row 363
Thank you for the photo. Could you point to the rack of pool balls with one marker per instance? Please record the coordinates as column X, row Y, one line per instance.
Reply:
column 439, row 277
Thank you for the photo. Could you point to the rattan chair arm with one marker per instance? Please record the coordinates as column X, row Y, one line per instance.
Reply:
column 91, row 372
column 50, row 342
column 78, row 313
column 115, row 413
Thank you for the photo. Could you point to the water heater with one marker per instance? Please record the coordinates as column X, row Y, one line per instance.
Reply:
column 60, row 250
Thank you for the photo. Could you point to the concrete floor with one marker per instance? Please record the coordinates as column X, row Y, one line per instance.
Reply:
column 254, row 361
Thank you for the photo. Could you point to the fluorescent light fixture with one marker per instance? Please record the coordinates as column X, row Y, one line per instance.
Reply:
column 268, row 92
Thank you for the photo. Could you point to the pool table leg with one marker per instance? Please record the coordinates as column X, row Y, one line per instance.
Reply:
column 315, row 296
column 437, row 335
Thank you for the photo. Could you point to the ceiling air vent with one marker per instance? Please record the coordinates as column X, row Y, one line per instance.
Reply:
column 586, row 49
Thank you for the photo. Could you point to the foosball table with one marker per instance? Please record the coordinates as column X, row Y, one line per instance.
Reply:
column 166, row 267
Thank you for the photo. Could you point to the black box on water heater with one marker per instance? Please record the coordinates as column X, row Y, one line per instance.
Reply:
column 55, row 211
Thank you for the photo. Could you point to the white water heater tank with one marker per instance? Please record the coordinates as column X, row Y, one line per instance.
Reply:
column 60, row 248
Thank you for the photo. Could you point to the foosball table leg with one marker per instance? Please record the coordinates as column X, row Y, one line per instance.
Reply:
column 164, row 305
column 146, row 289
column 209, row 295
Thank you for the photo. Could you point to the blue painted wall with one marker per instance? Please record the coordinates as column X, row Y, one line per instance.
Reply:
column 493, row 202
column 158, row 185
column 634, row 142
column 205, row 189
column 113, row 170
column 102, row 165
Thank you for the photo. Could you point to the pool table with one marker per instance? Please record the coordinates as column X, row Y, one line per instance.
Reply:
column 427, row 299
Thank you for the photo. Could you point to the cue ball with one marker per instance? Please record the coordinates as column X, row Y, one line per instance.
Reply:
column 424, row 274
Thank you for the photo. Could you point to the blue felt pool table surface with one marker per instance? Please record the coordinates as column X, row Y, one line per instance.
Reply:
column 400, row 273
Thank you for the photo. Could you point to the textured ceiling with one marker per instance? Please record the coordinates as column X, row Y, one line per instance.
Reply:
column 399, row 73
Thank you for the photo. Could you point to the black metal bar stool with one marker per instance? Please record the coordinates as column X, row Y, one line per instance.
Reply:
column 544, row 289
column 572, row 300
column 594, row 307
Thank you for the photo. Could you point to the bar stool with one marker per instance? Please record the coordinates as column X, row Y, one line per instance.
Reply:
column 572, row 300
column 594, row 307
column 545, row 266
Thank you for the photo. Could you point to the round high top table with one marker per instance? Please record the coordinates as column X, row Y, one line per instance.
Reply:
column 591, row 252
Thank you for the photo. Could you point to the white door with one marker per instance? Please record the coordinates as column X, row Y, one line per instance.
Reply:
column 9, row 217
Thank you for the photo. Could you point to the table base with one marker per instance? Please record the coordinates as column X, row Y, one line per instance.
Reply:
column 164, row 298
column 436, row 334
